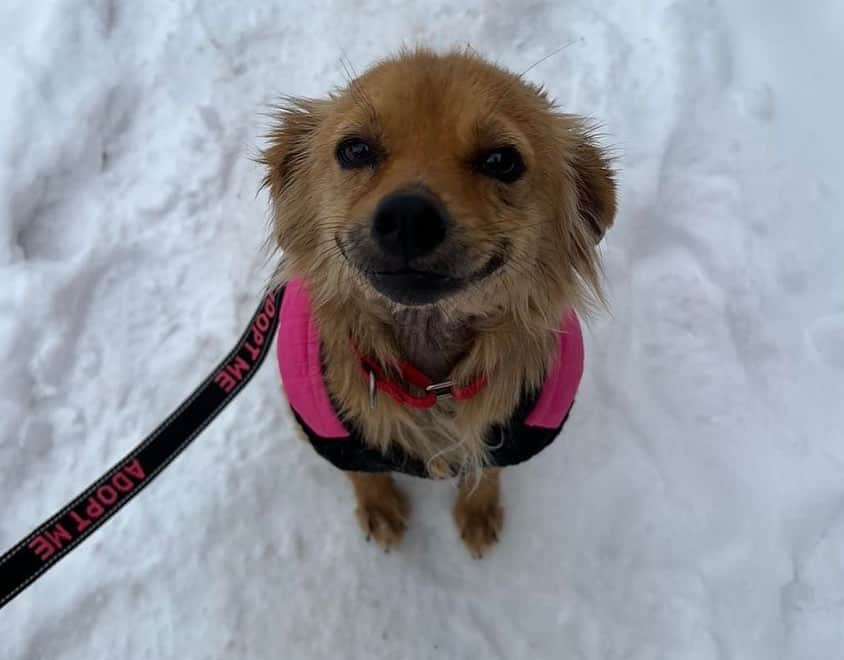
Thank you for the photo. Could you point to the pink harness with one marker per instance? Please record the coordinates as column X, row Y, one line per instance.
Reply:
column 300, row 367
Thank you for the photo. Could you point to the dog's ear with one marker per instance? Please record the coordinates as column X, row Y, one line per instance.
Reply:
column 595, row 179
column 289, row 142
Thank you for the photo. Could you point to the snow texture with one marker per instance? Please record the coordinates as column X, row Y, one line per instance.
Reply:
column 693, row 508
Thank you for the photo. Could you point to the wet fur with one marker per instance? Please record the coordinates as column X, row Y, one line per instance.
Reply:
column 431, row 111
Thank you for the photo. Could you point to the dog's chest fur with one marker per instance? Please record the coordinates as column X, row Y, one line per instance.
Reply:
column 430, row 340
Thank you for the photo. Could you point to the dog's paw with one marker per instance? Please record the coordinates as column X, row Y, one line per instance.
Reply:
column 385, row 518
column 479, row 526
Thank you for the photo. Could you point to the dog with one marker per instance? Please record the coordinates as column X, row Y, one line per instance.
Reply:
column 438, row 220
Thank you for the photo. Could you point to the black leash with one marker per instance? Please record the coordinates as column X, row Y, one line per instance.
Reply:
column 75, row 522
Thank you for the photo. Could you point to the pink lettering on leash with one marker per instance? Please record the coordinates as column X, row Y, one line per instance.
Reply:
column 58, row 535
column 81, row 523
column 94, row 509
column 253, row 352
column 122, row 483
column 225, row 381
column 45, row 545
column 41, row 547
column 269, row 305
column 234, row 372
column 134, row 469
column 257, row 335
column 237, row 368
column 106, row 495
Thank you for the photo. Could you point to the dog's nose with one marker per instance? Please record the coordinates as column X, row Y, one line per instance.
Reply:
column 409, row 224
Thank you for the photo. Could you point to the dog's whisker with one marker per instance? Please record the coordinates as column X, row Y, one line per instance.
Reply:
column 547, row 57
column 510, row 83
column 356, row 89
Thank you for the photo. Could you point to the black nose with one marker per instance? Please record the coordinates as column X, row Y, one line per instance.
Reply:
column 409, row 224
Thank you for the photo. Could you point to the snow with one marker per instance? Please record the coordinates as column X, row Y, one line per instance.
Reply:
column 694, row 506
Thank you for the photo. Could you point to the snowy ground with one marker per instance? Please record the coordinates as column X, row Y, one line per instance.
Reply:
column 693, row 509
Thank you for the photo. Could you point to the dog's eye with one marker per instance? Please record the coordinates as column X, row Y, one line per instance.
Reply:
column 502, row 163
column 354, row 153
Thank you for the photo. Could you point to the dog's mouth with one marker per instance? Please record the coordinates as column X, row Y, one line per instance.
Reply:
column 408, row 286
column 422, row 285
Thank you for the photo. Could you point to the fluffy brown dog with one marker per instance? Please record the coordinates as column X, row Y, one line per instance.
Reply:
column 442, row 212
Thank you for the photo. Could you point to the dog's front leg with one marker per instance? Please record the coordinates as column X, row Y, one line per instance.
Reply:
column 478, row 512
column 382, row 509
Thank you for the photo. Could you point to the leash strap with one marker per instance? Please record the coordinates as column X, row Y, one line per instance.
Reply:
column 44, row 547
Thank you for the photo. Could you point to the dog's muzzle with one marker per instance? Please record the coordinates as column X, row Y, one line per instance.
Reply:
column 407, row 228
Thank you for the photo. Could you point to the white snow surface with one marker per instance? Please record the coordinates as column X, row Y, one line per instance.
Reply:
column 693, row 508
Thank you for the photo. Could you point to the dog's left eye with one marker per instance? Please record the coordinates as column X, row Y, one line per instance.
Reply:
column 502, row 163
column 354, row 153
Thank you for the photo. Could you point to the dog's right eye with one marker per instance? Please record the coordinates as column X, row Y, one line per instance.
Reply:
column 355, row 153
column 504, row 164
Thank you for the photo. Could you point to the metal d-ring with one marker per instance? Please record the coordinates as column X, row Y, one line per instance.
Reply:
column 441, row 390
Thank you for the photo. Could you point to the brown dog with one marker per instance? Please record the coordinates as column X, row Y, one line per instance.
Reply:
column 443, row 214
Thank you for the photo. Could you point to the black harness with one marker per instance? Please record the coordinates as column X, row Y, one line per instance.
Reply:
column 509, row 444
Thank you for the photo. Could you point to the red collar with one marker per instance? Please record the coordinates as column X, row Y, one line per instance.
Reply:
column 378, row 380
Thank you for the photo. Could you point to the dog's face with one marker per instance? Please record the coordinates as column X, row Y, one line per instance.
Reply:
column 438, row 178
